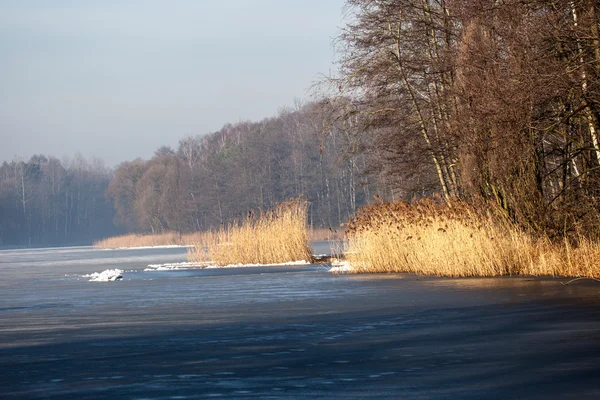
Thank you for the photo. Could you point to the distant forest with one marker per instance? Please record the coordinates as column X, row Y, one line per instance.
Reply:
column 45, row 201
column 212, row 179
column 495, row 102
column 205, row 182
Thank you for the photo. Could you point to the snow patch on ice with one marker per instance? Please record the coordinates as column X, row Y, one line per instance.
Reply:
column 192, row 265
column 109, row 275
column 299, row 262
column 339, row 266
column 175, row 266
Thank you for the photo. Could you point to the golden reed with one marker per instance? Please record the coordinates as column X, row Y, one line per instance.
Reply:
column 265, row 237
column 133, row 240
column 430, row 237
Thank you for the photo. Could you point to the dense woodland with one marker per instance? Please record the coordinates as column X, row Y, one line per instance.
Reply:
column 213, row 179
column 498, row 100
column 495, row 101
column 205, row 182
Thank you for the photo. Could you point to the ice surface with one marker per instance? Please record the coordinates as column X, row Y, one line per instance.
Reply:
column 193, row 331
column 109, row 275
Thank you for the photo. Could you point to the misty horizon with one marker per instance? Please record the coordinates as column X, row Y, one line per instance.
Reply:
column 116, row 81
column 67, row 158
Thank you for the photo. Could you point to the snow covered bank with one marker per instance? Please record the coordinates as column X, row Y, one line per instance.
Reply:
column 109, row 275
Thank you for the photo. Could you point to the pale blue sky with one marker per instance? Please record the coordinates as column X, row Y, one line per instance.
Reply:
column 117, row 79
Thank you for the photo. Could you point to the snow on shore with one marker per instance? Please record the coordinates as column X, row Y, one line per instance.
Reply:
column 112, row 275
column 109, row 275
column 191, row 265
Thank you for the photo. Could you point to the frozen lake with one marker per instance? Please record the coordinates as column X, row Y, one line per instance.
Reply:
column 285, row 332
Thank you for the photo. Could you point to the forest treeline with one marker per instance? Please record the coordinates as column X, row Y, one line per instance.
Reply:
column 46, row 201
column 484, row 100
column 210, row 180
column 204, row 183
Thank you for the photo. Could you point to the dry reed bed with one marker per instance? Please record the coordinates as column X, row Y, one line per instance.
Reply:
column 133, row 240
column 458, row 240
column 268, row 237
column 189, row 239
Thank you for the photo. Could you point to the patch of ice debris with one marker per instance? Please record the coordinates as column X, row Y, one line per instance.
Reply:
column 109, row 275
column 339, row 266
